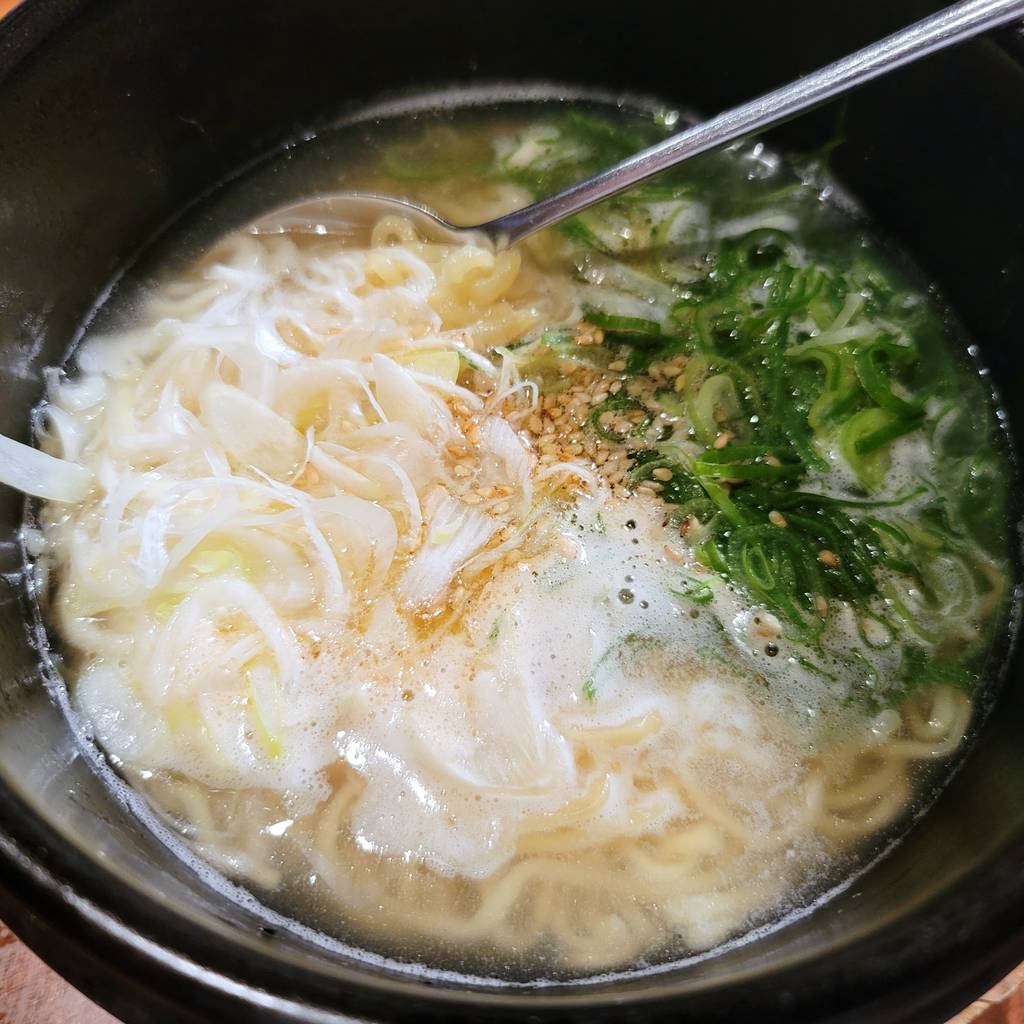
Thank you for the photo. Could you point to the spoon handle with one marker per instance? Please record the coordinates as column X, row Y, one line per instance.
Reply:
column 946, row 28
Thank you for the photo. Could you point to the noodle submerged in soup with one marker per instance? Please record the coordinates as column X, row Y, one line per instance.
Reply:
column 546, row 611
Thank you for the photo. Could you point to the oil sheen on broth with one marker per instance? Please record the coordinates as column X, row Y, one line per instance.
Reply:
column 534, row 614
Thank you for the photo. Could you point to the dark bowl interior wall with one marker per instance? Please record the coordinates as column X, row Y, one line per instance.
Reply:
column 115, row 114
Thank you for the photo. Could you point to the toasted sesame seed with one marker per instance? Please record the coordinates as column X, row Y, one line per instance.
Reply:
column 821, row 605
column 723, row 439
column 617, row 365
column 501, row 508
column 662, row 473
column 771, row 460
column 673, row 554
column 588, row 334
column 777, row 519
column 472, row 499
column 688, row 524
column 462, row 470
column 829, row 558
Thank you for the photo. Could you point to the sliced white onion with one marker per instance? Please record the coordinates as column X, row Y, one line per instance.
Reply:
column 252, row 433
column 34, row 472
column 457, row 532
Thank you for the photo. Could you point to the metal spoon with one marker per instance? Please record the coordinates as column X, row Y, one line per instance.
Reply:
column 353, row 212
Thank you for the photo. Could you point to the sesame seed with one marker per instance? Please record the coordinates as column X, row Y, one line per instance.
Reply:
column 777, row 519
column 688, row 524
column 673, row 554
column 616, row 365
column 662, row 473
column 821, row 605
column 723, row 439
column 829, row 558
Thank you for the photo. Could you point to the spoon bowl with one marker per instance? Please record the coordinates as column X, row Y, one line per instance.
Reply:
column 352, row 215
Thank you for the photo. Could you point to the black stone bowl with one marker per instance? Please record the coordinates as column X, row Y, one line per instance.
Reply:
column 116, row 114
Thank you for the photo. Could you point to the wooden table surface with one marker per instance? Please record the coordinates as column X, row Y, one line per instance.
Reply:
column 30, row 993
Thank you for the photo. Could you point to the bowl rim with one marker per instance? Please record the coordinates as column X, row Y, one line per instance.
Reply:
column 48, row 884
